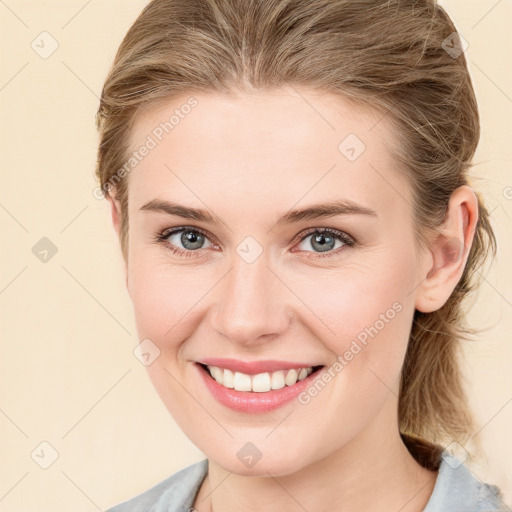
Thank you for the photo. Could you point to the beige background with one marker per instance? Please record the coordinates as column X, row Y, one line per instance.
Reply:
column 67, row 372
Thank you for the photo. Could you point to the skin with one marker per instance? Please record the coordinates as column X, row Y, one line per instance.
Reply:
column 342, row 450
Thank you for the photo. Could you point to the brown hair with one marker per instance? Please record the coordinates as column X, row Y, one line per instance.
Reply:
column 386, row 54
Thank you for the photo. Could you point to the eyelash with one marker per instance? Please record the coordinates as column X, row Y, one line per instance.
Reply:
column 161, row 238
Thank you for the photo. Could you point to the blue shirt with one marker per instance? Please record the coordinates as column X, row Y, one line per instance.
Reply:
column 455, row 490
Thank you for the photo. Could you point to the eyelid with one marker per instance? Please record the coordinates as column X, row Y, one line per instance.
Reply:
column 347, row 239
column 342, row 235
column 166, row 233
column 162, row 236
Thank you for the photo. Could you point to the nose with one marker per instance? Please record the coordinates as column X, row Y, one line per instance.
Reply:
column 252, row 305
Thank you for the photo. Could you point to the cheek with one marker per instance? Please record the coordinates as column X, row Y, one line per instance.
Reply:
column 165, row 297
column 366, row 315
column 357, row 293
column 167, row 300
column 363, row 311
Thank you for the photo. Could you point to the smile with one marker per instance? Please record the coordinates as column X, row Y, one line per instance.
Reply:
column 255, row 387
column 261, row 382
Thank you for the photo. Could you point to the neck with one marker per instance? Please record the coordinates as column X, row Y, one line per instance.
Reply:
column 371, row 469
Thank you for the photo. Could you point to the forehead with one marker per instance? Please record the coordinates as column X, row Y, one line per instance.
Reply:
column 288, row 145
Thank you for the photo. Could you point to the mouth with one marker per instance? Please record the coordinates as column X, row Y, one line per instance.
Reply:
column 261, row 382
column 253, row 390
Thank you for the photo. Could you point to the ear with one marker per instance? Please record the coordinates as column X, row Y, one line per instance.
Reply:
column 450, row 250
column 115, row 211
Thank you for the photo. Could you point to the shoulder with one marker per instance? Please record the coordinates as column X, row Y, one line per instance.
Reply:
column 457, row 488
column 175, row 494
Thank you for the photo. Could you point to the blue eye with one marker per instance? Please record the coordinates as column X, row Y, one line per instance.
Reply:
column 191, row 239
column 324, row 240
column 187, row 241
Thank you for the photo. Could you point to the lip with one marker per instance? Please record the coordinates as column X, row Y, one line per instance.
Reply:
column 254, row 367
column 252, row 402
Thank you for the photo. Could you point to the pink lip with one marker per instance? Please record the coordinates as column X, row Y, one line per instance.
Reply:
column 252, row 402
column 253, row 367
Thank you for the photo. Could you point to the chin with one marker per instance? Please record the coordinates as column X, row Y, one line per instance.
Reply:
column 275, row 462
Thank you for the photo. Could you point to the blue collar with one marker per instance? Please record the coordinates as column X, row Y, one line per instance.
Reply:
column 456, row 489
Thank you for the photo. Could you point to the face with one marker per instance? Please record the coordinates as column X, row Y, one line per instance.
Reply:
column 253, row 287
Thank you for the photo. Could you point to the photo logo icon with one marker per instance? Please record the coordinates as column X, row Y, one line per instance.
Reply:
column 44, row 455
column 249, row 249
column 351, row 147
column 249, row 454
column 44, row 45
column 44, row 250
column 146, row 352
column 455, row 45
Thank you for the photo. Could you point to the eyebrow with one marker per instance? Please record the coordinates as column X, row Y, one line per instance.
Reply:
column 316, row 211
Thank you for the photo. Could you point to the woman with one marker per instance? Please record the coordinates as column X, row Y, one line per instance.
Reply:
column 289, row 183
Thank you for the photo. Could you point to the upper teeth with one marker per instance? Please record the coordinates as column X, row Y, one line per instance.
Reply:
column 261, row 382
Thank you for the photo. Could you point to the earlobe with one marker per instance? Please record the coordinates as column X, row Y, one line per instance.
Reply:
column 450, row 250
